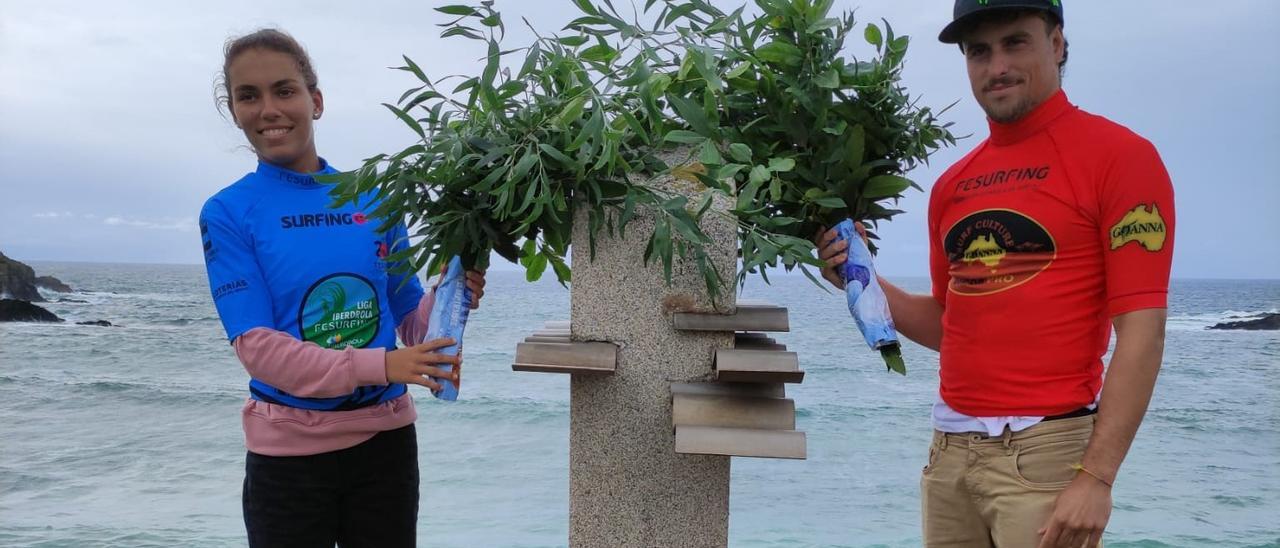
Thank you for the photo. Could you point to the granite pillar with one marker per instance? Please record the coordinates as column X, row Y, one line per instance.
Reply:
column 627, row 485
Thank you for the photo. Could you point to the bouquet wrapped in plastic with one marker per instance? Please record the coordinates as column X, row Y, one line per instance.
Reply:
column 449, row 320
column 867, row 302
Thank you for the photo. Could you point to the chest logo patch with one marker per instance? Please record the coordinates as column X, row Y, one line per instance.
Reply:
column 1141, row 225
column 996, row 249
column 340, row 310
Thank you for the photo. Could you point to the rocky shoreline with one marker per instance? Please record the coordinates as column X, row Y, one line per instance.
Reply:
column 1268, row 322
column 13, row 310
column 20, row 289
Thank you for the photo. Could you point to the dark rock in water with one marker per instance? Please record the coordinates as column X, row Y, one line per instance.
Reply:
column 21, row 311
column 52, row 284
column 100, row 323
column 75, row 301
column 18, row 281
column 1268, row 322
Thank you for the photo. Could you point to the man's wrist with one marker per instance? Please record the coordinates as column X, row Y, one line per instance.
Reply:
column 1094, row 475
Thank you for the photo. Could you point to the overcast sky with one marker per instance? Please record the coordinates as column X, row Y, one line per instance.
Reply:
column 110, row 140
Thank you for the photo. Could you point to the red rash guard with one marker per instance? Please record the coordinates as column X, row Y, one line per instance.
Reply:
column 1039, row 236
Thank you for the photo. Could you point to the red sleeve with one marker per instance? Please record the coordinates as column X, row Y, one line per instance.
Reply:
column 1136, row 226
column 939, row 273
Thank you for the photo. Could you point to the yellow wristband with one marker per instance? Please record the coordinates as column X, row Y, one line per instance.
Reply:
column 1080, row 468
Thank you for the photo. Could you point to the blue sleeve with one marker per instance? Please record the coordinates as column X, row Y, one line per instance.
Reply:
column 404, row 299
column 235, row 280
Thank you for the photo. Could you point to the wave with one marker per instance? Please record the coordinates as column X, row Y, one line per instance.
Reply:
column 159, row 392
column 73, row 297
column 94, row 536
column 182, row 322
column 520, row 410
column 1202, row 321
column 183, row 391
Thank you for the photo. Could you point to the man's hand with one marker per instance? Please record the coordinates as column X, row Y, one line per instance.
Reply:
column 475, row 282
column 414, row 364
column 834, row 253
column 1083, row 509
column 1080, row 514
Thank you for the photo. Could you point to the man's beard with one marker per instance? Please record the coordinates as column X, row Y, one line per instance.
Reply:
column 1009, row 113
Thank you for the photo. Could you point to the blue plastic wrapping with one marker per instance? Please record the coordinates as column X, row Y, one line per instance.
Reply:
column 862, row 290
column 449, row 319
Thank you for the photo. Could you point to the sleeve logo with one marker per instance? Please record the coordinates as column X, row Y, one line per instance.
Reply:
column 229, row 288
column 1141, row 225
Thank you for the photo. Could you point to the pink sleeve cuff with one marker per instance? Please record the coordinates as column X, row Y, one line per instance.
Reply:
column 413, row 327
column 369, row 366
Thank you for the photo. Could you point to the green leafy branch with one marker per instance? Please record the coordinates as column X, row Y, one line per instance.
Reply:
column 776, row 117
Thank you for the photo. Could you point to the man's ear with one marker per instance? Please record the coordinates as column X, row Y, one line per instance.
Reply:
column 1059, row 42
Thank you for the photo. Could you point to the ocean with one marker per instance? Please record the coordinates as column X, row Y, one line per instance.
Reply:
column 130, row 436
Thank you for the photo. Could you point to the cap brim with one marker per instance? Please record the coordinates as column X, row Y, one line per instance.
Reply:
column 952, row 33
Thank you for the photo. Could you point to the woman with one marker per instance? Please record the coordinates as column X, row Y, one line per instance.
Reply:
column 313, row 309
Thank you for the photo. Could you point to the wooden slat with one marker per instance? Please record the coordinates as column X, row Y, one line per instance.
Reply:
column 549, row 339
column 566, row 357
column 733, row 411
column 569, row 369
column 756, row 341
column 740, row 442
column 557, row 324
column 756, row 390
column 747, row 318
column 768, row 366
column 793, row 377
column 751, row 345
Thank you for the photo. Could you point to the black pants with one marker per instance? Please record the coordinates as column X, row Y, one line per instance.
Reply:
column 365, row 495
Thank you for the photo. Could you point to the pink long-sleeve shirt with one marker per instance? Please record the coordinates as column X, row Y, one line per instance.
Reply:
column 305, row 369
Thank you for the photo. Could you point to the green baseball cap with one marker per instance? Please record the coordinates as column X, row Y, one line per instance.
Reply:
column 967, row 10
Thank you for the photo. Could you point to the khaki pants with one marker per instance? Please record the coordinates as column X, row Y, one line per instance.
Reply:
column 999, row 491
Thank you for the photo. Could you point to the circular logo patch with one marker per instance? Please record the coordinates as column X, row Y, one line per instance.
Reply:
column 340, row 311
column 996, row 249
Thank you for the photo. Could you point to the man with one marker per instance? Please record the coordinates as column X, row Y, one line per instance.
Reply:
column 1053, row 230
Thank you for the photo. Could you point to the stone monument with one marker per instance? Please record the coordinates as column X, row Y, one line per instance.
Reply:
column 666, row 387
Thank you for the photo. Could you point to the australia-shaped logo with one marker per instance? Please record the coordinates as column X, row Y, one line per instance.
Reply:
column 340, row 310
column 986, row 250
column 1142, row 225
column 996, row 249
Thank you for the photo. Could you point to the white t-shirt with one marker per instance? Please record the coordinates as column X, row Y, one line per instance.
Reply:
column 946, row 419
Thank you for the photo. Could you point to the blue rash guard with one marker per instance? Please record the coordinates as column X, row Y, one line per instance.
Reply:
column 279, row 257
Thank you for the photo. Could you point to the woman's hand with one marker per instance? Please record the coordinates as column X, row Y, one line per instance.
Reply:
column 475, row 282
column 416, row 364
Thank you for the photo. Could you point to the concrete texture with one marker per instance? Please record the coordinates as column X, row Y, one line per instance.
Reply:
column 627, row 485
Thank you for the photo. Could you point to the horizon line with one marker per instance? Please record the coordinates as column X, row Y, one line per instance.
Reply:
column 778, row 272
